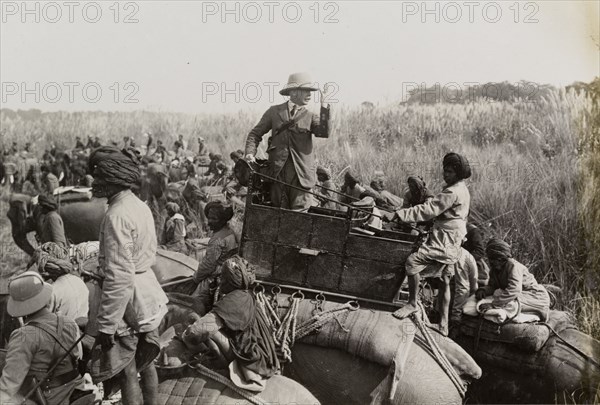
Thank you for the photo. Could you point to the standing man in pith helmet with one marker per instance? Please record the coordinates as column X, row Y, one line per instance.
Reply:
column 290, row 147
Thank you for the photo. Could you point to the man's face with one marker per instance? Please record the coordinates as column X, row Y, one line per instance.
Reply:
column 300, row 96
column 450, row 176
column 214, row 221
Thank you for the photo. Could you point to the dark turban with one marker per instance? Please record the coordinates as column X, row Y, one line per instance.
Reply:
column 47, row 202
column 350, row 177
column 236, row 274
column 52, row 260
column 236, row 155
column 172, row 208
column 378, row 184
column 225, row 212
column 418, row 189
column 498, row 249
column 459, row 164
column 324, row 172
column 118, row 167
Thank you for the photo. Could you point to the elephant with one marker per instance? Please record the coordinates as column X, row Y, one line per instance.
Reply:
column 350, row 355
column 81, row 218
column 566, row 368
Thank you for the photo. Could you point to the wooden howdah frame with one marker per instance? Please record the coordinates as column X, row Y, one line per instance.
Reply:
column 320, row 250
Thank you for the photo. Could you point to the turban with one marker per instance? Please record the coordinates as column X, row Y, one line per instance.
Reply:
column 378, row 184
column 459, row 163
column 323, row 171
column 225, row 212
column 498, row 249
column 236, row 274
column 349, row 177
column 47, row 202
column 52, row 260
column 172, row 207
column 417, row 186
column 236, row 155
column 118, row 167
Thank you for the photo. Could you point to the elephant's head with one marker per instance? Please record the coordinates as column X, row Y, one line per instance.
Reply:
column 21, row 216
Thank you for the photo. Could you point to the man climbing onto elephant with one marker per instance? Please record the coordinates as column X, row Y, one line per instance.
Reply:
column 131, row 304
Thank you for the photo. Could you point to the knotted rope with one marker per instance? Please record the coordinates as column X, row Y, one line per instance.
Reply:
column 55, row 255
column 213, row 375
column 286, row 331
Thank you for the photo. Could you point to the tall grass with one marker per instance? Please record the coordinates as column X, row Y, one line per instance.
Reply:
column 536, row 167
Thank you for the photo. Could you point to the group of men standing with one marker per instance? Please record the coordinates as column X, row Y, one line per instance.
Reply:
column 130, row 302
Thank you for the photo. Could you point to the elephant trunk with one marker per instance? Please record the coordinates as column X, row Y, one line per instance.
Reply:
column 17, row 216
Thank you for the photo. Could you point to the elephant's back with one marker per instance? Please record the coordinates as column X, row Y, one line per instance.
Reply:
column 82, row 219
column 565, row 366
column 199, row 390
column 351, row 380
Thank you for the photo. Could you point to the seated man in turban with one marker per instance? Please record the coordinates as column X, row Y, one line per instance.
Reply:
column 49, row 181
column 324, row 180
column 69, row 293
column 234, row 190
column 389, row 200
column 475, row 245
column 174, row 230
column 131, row 303
column 49, row 224
column 417, row 192
column 352, row 189
column 236, row 330
column 511, row 281
column 223, row 241
column 448, row 210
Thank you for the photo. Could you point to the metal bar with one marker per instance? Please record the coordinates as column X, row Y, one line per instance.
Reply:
column 322, row 196
column 294, row 287
column 183, row 280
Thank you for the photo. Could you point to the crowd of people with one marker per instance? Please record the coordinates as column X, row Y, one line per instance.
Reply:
column 124, row 312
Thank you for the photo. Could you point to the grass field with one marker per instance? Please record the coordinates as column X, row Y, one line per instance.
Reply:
column 536, row 168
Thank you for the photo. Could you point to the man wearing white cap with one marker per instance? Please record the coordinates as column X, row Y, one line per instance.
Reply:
column 290, row 146
column 38, row 345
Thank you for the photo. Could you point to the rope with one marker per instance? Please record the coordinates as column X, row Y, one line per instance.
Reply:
column 320, row 319
column 286, row 331
column 571, row 346
column 285, row 335
column 439, row 355
column 213, row 375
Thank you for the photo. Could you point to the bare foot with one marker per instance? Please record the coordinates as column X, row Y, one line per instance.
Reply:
column 443, row 329
column 405, row 311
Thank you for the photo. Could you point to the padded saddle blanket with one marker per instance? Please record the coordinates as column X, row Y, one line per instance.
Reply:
column 70, row 194
column 194, row 389
column 529, row 337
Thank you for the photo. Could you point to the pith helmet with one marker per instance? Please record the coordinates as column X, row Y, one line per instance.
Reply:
column 299, row 81
column 28, row 294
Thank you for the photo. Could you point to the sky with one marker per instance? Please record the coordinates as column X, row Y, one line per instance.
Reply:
column 195, row 57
